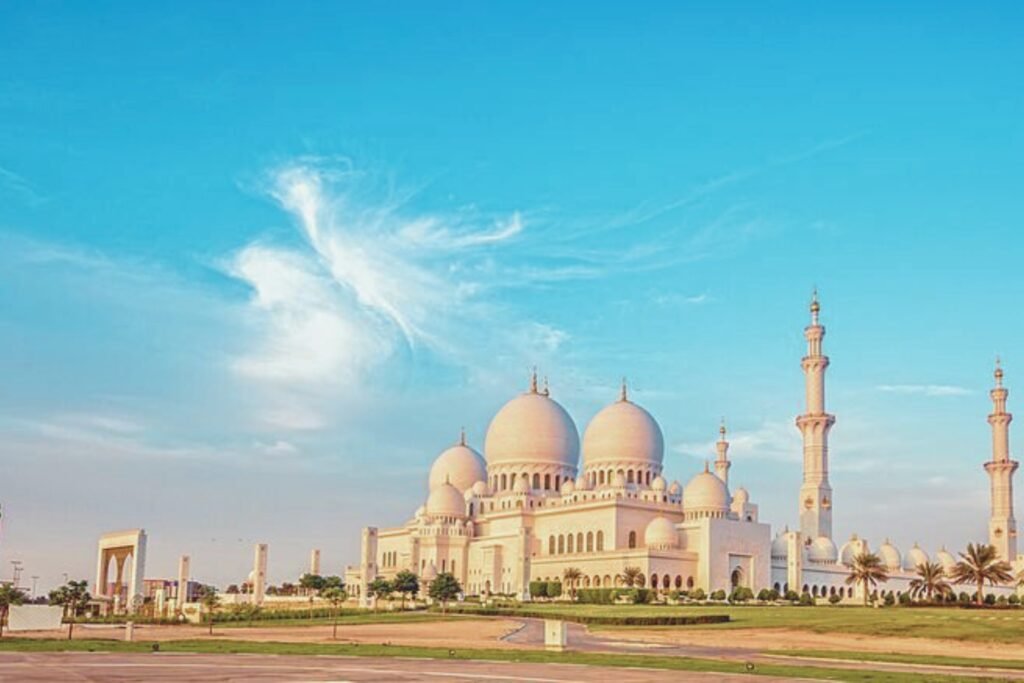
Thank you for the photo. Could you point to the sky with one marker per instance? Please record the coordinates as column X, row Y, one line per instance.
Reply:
column 260, row 262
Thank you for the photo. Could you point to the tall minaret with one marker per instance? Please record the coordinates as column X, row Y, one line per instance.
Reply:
column 1002, row 527
column 814, row 425
column 722, row 463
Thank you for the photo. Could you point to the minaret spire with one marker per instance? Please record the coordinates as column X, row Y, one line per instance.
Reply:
column 814, row 425
column 1002, row 527
column 533, row 380
column 462, row 436
column 623, row 391
column 722, row 463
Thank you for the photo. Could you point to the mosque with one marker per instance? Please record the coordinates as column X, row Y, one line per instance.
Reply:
column 538, row 501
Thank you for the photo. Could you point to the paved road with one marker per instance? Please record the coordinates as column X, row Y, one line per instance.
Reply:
column 119, row 668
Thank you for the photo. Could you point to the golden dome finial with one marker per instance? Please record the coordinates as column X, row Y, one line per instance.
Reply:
column 815, row 305
column 623, row 391
column 721, row 428
column 547, row 389
column 999, row 372
column 533, row 380
column 707, row 468
column 462, row 436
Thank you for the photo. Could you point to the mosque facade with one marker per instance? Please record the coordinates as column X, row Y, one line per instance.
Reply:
column 539, row 501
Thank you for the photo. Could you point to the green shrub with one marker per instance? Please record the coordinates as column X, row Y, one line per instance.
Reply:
column 596, row 596
column 741, row 594
column 698, row 594
column 834, row 599
column 806, row 600
column 905, row 599
column 990, row 599
column 964, row 597
column 792, row 596
column 889, row 599
column 764, row 595
column 538, row 589
column 554, row 589
column 718, row 595
column 1014, row 599
column 773, row 594
column 605, row 620
column 1002, row 600
column 673, row 595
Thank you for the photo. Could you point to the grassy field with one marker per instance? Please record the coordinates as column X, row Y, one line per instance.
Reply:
column 535, row 656
column 346, row 618
column 977, row 625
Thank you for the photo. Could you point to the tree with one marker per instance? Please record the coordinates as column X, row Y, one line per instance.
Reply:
column 74, row 596
column 379, row 588
column 631, row 576
column 9, row 595
column 444, row 588
column 572, row 575
column 930, row 581
column 868, row 571
column 981, row 565
column 312, row 582
column 209, row 602
column 232, row 589
column 406, row 583
column 336, row 597
column 333, row 582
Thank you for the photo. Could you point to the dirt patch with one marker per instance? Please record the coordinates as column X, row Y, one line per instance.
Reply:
column 792, row 639
column 476, row 633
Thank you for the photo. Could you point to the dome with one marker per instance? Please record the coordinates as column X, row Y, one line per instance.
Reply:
column 946, row 559
column 619, row 480
column 568, row 487
column 421, row 510
column 780, row 546
column 481, row 489
column 446, row 501
column 532, row 429
column 521, row 485
column 890, row 556
column 623, row 432
column 661, row 533
column 851, row 549
column 822, row 550
column 675, row 489
column 915, row 556
column 742, row 496
column 658, row 483
column 706, row 492
column 460, row 466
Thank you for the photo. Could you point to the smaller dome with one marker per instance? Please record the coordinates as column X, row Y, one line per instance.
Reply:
column 421, row 510
column 946, row 559
column 446, row 501
column 675, row 489
column 619, row 480
column 658, row 484
column 822, row 550
column 481, row 489
column 851, row 549
column 780, row 546
column 890, row 556
column 915, row 556
column 568, row 487
column 459, row 465
column 521, row 485
column 661, row 534
column 742, row 496
column 706, row 492
column 582, row 483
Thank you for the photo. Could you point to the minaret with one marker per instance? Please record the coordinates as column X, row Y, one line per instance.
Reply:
column 722, row 463
column 1002, row 527
column 814, row 425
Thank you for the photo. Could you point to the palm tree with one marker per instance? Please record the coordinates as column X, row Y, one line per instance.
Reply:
column 9, row 595
column 931, row 580
column 572, row 575
column 981, row 564
column 336, row 597
column 868, row 571
column 631, row 576
column 209, row 601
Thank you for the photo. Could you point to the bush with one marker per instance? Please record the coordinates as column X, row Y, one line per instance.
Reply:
column 834, row 599
column 554, row 589
column 792, row 596
column 905, row 599
column 806, row 600
column 773, row 594
column 538, row 589
column 764, row 595
column 718, row 595
column 698, row 594
column 605, row 620
column 1014, row 599
column 1002, row 600
column 596, row 596
column 673, row 595
column 889, row 599
column 741, row 594
column 964, row 597
column 990, row 599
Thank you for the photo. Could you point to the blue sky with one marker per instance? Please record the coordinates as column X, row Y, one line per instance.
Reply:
column 260, row 263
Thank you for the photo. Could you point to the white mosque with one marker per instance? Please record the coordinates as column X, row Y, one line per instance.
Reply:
column 531, row 507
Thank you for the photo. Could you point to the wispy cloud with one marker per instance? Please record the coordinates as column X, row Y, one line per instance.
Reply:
column 16, row 184
column 925, row 389
column 772, row 440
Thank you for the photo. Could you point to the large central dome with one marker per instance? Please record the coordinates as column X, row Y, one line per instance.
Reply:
column 623, row 432
column 532, row 429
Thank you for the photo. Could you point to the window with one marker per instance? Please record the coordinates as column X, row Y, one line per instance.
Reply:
column 551, row 545
column 570, row 544
column 601, row 477
column 579, row 542
column 504, row 482
column 547, row 482
column 600, row 541
column 536, row 481
column 590, row 541
column 632, row 539
column 561, row 544
column 629, row 479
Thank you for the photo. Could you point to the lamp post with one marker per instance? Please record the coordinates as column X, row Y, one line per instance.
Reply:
column 16, row 572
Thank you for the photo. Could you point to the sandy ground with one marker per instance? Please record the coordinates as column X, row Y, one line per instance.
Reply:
column 791, row 639
column 477, row 633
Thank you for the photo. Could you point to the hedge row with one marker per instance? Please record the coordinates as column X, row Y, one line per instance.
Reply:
column 602, row 620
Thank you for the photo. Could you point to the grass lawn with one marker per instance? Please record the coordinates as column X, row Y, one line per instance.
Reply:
column 905, row 659
column 346, row 618
column 593, row 659
column 979, row 625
